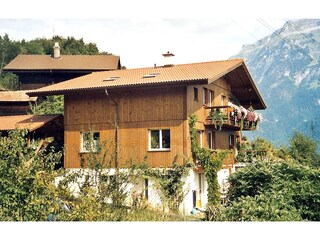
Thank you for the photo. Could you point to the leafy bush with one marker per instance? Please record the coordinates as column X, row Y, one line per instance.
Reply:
column 27, row 190
column 274, row 191
column 51, row 105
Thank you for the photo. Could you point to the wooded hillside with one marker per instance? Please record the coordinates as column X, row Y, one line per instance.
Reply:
column 9, row 49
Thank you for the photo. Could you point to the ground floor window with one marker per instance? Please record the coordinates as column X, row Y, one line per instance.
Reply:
column 159, row 139
column 231, row 141
column 90, row 142
column 199, row 136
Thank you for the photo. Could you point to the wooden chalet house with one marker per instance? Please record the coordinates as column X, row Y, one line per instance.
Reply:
column 42, row 130
column 16, row 103
column 152, row 107
column 36, row 71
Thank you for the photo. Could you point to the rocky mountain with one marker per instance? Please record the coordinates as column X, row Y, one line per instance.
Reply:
column 286, row 67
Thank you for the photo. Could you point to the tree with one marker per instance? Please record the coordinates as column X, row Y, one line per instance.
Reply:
column 51, row 105
column 27, row 190
column 304, row 149
column 9, row 81
column 8, row 51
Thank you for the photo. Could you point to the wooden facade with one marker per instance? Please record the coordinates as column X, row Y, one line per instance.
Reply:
column 138, row 111
column 37, row 79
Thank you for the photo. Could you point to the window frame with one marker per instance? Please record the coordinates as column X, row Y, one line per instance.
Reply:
column 223, row 100
column 205, row 96
column 200, row 138
column 161, row 148
column 211, row 140
column 196, row 94
column 232, row 143
column 211, row 97
column 95, row 145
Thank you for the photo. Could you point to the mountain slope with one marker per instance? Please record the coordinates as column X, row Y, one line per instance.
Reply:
column 286, row 68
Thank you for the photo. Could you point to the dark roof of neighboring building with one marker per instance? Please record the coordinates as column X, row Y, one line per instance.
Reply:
column 31, row 122
column 66, row 62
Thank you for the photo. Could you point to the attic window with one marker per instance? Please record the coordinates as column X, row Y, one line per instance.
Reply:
column 151, row 75
column 111, row 78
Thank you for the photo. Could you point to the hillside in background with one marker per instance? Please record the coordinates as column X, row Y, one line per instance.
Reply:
column 285, row 66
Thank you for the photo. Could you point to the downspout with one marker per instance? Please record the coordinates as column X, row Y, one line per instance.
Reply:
column 116, row 163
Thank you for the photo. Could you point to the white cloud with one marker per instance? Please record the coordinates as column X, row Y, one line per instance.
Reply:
column 141, row 42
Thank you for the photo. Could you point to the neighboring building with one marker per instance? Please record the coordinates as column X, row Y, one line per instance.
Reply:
column 36, row 71
column 43, row 130
column 152, row 107
column 16, row 103
column 40, row 125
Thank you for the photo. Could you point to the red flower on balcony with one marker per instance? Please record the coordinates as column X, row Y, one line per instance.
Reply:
column 250, row 116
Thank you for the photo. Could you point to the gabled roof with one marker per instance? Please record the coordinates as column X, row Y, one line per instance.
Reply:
column 16, row 96
column 31, row 122
column 144, row 76
column 187, row 74
column 66, row 62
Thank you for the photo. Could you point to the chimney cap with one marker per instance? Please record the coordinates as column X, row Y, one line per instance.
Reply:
column 56, row 51
column 168, row 54
column 56, row 45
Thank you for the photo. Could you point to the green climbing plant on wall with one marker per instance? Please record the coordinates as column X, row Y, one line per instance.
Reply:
column 210, row 162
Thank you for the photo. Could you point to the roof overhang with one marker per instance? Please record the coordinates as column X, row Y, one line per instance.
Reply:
column 30, row 122
column 117, row 87
column 243, row 87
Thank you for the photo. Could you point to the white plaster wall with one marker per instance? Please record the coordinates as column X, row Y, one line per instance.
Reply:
column 154, row 199
column 190, row 184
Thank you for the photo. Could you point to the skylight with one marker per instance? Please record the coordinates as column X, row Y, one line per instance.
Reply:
column 111, row 78
column 151, row 75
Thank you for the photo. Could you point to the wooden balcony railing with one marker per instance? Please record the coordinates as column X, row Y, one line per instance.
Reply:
column 225, row 117
column 228, row 162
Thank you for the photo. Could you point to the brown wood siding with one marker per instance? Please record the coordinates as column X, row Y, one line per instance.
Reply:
column 11, row 108
column 220, row 88
column 139, row 111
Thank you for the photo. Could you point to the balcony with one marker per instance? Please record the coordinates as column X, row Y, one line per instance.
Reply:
column 228, row 162
column 231, row 118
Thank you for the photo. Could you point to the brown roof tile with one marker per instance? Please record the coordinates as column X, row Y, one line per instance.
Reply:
column 30, row 122
column 66, row 62
column 16, row 96
column 206, row 71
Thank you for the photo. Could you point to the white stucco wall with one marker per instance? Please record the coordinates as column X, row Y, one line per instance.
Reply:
column 192, row 184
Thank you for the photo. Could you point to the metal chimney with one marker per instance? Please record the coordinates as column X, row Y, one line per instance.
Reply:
column 56, row 51
column 168, row 59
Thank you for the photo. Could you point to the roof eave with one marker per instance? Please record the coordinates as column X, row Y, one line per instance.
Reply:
column 92, row 89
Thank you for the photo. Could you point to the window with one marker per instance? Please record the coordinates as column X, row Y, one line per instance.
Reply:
column 90, row 141
column 208, row 96
column 211, row 140
column 205, row 96
column 223, row 100
column 211, row 97
column 231, row 141
column 159, row 139
column 195, row 94
column 199, row 136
